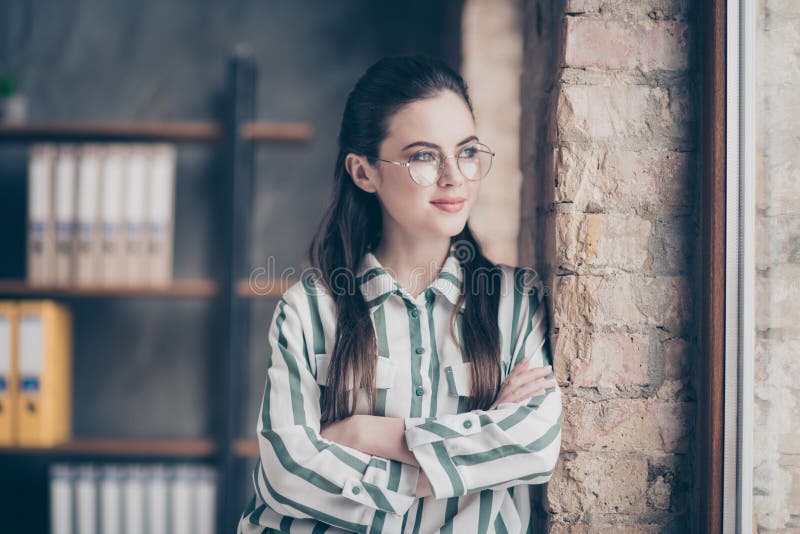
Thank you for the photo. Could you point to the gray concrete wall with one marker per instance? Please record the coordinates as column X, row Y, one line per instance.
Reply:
column 142, row 366
column 776, row 439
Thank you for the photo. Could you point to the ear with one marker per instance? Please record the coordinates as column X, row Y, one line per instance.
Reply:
column 364, row 175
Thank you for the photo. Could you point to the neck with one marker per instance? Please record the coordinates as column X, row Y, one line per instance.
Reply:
column 413, row 263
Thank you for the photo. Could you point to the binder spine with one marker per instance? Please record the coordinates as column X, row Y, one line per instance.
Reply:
column 86, row 499
column 8, row 374
column 111, row 215
column 62, row 519
column 44, row 408
column 65, row 182
column 41, row 238
column 88, row 237
column 136, row 189
column 134, row 500
column 161, row 224
column 111, row 504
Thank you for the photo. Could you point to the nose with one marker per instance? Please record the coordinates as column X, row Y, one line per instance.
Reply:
column 451, row 174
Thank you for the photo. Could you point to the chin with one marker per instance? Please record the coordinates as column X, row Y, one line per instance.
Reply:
column 449, row 230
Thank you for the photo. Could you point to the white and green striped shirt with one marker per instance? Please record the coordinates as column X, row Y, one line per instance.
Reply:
column 480, row 463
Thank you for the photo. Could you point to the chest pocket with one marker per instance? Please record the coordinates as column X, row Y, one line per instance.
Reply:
column 459, row 379
column 384, row 378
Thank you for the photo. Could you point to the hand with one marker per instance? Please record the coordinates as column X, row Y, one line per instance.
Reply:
column 342, row 431
column 523, row 383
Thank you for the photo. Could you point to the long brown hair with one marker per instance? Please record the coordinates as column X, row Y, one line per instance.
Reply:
column 351, row 226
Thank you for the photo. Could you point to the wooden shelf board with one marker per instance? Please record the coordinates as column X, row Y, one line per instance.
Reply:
column 263, row 288
column 178, row 288
column 199, row 131
column 246, row 448
column 151, row 131
column 277, row 131
column 123, row 447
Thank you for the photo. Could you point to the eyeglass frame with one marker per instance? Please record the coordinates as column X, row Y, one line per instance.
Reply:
column 442, row 158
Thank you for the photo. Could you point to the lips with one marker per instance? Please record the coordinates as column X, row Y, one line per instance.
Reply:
column 451, row 205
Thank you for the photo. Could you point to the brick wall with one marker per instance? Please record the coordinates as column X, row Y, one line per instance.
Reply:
column 609, row 215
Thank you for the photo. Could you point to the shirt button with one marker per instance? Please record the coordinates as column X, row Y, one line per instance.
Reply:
column 420, row 350
column 467, row 424
column 419, row 391
column 356, row 490
column 414, row 313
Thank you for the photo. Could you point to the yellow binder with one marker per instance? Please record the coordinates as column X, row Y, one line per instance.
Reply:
column 8, row 373
column 44, row 407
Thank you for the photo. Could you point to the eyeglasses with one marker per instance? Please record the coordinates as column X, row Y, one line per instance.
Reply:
column 425, row 166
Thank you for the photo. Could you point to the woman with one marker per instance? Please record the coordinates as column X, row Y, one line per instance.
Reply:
column 455, row 413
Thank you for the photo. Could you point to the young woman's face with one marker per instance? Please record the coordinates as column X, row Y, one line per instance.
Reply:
column 441, row 122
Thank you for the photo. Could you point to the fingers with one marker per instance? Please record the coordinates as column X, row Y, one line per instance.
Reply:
column 523, row 383
column 519, row 377
column 534, row 384
column 532, row 389
column 524, row 366
column 525, row 390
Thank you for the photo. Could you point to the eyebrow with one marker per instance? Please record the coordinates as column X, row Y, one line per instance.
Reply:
column 434, row 145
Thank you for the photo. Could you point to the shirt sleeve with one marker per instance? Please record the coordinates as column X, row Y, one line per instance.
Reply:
column 512, row 444
column 303, row 475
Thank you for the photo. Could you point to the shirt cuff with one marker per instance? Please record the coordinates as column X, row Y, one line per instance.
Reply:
column 373, row 488
column 426, row 439
column 420, row 430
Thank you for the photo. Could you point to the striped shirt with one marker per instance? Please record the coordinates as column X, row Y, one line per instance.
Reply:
column 480, row 463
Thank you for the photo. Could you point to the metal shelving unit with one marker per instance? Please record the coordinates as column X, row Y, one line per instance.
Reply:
column 238, row 132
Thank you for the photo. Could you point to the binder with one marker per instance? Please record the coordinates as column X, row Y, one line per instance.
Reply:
column 134, row 214
column 44, row 407
column 183, row 513
column 157, row 500
column 88, row 239
column 111, row 216
column 111, row 498
column 134, row 500
column 8, row 373
column 62, row 518
column 160, row 213
column 86, row 499
column 41, row 238
column 206, row 496
column 64, row 201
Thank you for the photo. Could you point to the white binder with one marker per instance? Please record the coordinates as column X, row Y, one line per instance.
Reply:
column 111, row 216
column 206, row 500
column 85, row 485
column 88, row 239
column 61, row 518
column 65, row 181
column 135, row 236
column 110, row 499
column 134, row 500
column 157, row 500
column 160, row 212
column 41, row 233
column 182, row 500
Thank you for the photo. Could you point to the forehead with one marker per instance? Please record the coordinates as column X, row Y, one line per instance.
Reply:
column 443, row 119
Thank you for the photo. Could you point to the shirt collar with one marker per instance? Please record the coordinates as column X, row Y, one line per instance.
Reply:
column 377, row 284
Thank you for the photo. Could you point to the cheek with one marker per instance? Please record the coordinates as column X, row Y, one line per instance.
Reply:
column 475, row 188
column 402, row 198
column 474, row 191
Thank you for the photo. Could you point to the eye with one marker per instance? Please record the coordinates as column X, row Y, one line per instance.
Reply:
column 424, row 156
column 469, row 151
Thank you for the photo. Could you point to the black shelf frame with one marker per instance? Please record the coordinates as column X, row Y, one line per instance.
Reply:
column 240, row 160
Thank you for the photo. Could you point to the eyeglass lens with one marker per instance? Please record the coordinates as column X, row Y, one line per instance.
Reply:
column 474, row 162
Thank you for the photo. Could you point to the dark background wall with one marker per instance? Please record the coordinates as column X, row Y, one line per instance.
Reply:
column 143, row 366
